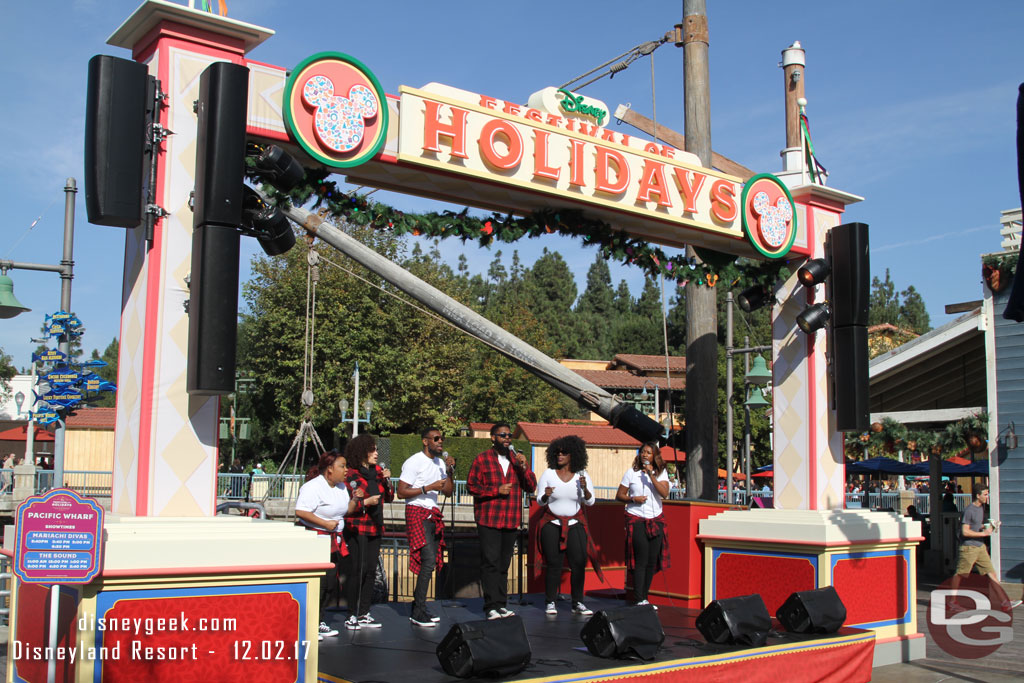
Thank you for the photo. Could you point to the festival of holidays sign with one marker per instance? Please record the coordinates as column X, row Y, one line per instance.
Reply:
column 59, row 538
column 336, row 110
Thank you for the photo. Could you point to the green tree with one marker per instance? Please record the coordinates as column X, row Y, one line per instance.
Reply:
column 7, row 373
column 913, row 313
column 549, row 292
column 595, row 310
column 905, row 309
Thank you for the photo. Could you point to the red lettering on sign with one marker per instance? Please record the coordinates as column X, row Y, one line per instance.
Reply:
column 607, row 135
column 491, row 130
column 511, row 108
column 576, row 163
column 603, row 171
column 652, row 182
column 433, row 129
column 723, row 201
column 689, row 184
column 488, row 102
column 540, row 156
column 534, row 115
column 554, row 120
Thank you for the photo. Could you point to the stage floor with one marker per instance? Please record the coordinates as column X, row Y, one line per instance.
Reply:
column 400, row 652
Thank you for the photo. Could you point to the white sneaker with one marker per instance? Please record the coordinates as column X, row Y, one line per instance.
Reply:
column 580, row 608
column 319, row 637
column 550, row 608
column 367, row 621
column 352, row 623
column 505, row 612
column 326, row 630
column 645, row 602
column 493, row 614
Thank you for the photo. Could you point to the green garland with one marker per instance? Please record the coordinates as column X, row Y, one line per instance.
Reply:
column 713, row 269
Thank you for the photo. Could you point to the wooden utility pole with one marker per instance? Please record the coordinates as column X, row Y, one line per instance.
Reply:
column 701, row 327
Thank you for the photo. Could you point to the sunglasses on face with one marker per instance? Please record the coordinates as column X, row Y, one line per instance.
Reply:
column 437, row 438
column 503, row 435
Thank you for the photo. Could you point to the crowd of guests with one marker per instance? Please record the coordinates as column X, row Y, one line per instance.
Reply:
column 344, row 496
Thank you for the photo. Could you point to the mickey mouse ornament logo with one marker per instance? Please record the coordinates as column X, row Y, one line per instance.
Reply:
column 769, row 218
column 335, row 109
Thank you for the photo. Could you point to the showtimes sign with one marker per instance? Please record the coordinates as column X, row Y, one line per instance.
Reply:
column 59, row 538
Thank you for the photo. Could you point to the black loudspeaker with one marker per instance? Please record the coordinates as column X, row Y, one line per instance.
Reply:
column 115, row 140
column 623, row 632
column 213, row 311
column 496, row 647
column 817, row 611
column 850, row 280
column 736, row 621
column 220, row 144
column 850, row 374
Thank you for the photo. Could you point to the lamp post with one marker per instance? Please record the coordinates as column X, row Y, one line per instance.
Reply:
column 10, row 307
column 367, row 406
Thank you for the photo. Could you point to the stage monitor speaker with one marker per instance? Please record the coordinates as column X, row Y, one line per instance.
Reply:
column 496, row 647
column 623, row 632
column 743, row 621
column 115, row 140
column 817, row 611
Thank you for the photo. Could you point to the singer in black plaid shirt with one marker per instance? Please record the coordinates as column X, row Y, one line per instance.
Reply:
column 497, row 480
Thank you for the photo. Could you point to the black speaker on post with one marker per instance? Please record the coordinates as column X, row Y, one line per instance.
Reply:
column 816, row 611
column 220, row 166
column 623, row 632
column 850, row 373
column 496, row 647
column 736, row 621
column 115, row 140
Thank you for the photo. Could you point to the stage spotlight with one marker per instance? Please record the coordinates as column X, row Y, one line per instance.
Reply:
column 268, row 224
column 632, row 631
column 278, row 167
column 743, row 621
column 813, row 318
column 813, row 272
column 816, row 611
column 497, row 647
column 752, row 298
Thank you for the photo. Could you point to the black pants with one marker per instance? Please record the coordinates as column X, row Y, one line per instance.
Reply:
column 496, row 546
column 646, row 552
column 329, row 584
column 575, row 549
column 428, row 561
column 364, row 552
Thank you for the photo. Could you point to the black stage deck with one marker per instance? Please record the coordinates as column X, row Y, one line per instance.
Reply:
column 400, row 652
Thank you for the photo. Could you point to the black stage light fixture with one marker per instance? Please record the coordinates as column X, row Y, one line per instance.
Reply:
column 278, row 167
column 269, row 226
column 497, row 647
column 736, row 621
column 813, row 272
column 815, row 611
column 813, row 318
column 632, row 631
column 753, row 298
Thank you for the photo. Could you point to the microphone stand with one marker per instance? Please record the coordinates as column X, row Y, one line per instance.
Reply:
column 451, row 602
column 522, row 531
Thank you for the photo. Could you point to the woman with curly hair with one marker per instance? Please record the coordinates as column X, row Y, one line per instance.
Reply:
column 371, row 486
column 643, row 487
column 563, row 526
column 322, row 504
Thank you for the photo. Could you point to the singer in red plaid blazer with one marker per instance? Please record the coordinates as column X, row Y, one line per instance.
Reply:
column 498, row 509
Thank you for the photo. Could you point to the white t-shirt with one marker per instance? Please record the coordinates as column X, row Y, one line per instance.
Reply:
column 565, row 500
column 324, row 501
column 640, row 484
column 421, row 470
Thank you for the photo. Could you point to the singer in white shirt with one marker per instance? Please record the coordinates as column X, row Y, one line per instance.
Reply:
column 424, row 475
column 643, row 487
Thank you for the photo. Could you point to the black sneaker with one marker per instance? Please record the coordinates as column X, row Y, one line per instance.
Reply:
column 421, row 618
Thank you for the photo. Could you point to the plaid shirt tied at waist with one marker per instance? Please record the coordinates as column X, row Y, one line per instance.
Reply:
column 362, row 521
column 652, row 528
column 490, row 508
column 563, row 538
column 415, row 515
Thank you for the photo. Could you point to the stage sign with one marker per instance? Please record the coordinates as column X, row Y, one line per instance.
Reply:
column 58, row 538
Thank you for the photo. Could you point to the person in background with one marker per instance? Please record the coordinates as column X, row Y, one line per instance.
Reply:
column 322, row 504
column 643, row 487
column 424, row 475
column 364, row 526
column 497, row 479
column 563, row 526
column 973, row 553
column 7, row 477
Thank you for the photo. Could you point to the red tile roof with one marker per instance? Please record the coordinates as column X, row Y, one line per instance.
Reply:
column 594, row 435
column 645, row 363
column 92, row 418
column 620, row 379
column 481, row 426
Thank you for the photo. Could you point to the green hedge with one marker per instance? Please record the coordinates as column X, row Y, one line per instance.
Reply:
column 463, row 449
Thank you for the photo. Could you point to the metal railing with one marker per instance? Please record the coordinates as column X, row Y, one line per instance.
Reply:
column 890, row 500
column 91, row 483
column 5, row 590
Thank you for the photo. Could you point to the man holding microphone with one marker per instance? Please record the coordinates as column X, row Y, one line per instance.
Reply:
column 425, row 474
column 497, row 480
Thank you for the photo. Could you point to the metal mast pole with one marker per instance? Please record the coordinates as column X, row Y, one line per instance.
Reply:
column 67, row 273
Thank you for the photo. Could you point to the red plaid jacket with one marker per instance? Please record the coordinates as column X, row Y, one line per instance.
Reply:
column 415, row 515
column 489, row 507
column 652, row 527
column 361, row 521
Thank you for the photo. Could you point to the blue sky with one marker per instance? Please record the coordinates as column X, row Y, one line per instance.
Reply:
column 911, row 105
